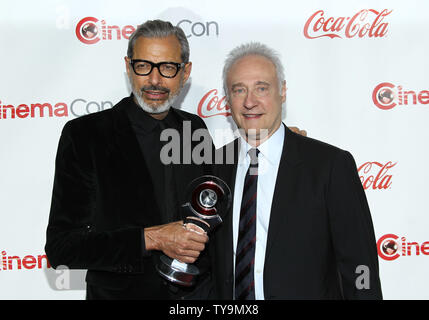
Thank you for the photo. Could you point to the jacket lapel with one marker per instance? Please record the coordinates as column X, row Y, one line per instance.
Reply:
column 283, row 189
column 131, row 167
column 125, row 144
column 225, row 256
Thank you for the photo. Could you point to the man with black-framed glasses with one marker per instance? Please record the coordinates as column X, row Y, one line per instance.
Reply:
column 115, row 206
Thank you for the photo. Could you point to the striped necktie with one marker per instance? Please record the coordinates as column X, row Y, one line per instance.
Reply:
column 245, row 253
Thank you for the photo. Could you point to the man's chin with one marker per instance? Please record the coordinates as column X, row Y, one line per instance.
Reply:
column 152, row 108
column 254, row 134
column 156, row 109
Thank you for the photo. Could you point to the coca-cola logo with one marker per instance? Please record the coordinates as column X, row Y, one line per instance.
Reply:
column 375, row 175
column 212, row 105
column 365, row 23
column 391, row 247
column 387, row 96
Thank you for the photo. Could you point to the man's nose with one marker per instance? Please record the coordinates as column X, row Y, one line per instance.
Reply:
column 250, row 100
column 155, row 77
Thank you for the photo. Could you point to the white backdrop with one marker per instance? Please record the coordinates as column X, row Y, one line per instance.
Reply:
column 340, row 58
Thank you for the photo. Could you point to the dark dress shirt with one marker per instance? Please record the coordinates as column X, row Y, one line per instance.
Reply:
column 148, row 131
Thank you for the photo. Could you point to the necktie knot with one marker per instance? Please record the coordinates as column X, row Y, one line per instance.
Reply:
column 253, row 153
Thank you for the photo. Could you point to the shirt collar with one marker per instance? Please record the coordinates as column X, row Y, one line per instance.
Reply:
column 145, row 122
column 271, row 149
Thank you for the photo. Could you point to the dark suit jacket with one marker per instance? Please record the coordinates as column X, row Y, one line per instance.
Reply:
column 102, row 199
column 320, row 227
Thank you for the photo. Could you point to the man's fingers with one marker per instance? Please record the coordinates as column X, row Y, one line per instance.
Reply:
column 197, row 237
column 189, row 253
column 195, row 228
column 298, row 131
column 187, row 256
column 186, row 259
column 180, row 243
column 192, row 245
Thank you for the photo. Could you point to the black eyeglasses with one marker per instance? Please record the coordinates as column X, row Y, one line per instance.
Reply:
column 166, row 69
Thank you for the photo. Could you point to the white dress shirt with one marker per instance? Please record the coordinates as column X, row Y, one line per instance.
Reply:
column 268, row 165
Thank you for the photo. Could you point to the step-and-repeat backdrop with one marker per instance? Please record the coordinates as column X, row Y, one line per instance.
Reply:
column 357, row 77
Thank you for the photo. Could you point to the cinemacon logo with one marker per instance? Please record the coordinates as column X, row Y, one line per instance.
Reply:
column 391, row 247
column 210, row 105
column 364, row 23
column 78, row 107
column 14, row 262
column 387, row 96
column 90, row 30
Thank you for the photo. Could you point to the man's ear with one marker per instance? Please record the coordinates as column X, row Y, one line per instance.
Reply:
column 283, row 91
column 127, row 65
column 187, row 71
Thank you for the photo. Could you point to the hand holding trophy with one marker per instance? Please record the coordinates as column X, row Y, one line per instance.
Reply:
column 208, row 200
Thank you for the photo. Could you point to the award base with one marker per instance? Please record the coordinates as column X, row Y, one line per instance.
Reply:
column 177, row 272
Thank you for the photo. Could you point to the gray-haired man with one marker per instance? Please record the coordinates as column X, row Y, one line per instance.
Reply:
column 114, row 204
column 300, row 226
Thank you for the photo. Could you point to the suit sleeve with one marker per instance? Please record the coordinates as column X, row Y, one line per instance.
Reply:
column 71, row 238
column 352, row 231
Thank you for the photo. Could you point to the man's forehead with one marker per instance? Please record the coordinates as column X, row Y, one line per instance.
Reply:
column 252, row 69
column 164, row 48
column 255, row 60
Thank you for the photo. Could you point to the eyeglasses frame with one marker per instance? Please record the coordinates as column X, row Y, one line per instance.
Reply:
column 156, row 65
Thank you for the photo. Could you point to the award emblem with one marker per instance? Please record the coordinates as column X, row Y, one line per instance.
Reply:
column 208, row 199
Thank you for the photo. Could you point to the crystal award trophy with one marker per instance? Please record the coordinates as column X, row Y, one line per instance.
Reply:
column 208, row 199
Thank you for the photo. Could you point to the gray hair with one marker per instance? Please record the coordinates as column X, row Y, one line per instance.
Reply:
column 252, row 48
column 159, row 29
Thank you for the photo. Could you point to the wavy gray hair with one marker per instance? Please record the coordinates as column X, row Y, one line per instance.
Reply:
column 159, row 29
column 252, row 48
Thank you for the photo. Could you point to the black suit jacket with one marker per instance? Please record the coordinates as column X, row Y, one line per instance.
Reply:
column 102, row 199
column 320, row 227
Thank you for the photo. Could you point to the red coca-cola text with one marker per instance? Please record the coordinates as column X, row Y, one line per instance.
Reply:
column 375, row 175
column 366, row 22
column 211, row 105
